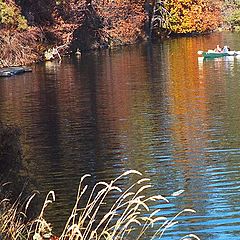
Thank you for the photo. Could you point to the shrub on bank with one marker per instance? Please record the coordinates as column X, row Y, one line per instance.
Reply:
column 20, row 47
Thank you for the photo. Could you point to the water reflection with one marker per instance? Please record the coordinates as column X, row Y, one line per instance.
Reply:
column 154, row 108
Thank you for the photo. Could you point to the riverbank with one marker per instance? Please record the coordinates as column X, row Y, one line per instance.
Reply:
column 71, row 28
column 88, row 25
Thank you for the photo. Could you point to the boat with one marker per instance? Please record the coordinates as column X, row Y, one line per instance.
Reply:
column 213, row 54
column 11, row 71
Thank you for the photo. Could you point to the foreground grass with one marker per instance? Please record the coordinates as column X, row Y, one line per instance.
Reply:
column 128, row 217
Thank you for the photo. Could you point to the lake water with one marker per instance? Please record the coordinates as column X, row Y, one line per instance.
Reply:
column 157, row 108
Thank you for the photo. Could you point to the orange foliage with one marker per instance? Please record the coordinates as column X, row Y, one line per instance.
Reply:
column 123, row 20
column 189, row 16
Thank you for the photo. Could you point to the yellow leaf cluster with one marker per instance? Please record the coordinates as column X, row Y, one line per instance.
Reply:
column 189, row 16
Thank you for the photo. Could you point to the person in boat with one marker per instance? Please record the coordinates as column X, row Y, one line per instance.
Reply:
column 218, row 49
column 225, row 49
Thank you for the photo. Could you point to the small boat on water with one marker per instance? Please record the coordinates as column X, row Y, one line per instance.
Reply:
column 11, row 71
column 213, row 54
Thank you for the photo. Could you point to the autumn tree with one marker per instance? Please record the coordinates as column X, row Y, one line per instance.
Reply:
column 123, row 20
column 193, row 16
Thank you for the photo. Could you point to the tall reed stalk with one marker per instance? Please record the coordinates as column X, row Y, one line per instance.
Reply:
column 129, row 216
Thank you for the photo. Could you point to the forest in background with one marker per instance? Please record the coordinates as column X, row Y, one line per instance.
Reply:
column 29, row 28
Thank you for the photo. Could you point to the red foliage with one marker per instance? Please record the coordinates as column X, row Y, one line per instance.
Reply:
column 124, row 20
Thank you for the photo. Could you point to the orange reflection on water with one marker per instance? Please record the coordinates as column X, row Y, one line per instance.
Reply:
column 188, row 94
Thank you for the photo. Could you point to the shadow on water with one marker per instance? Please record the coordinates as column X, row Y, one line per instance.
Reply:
column 155, row 108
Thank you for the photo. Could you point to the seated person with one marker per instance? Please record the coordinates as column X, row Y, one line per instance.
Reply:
column 225, row 49
column 218, row 49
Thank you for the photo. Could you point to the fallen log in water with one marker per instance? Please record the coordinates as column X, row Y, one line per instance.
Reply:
column 11, row 71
